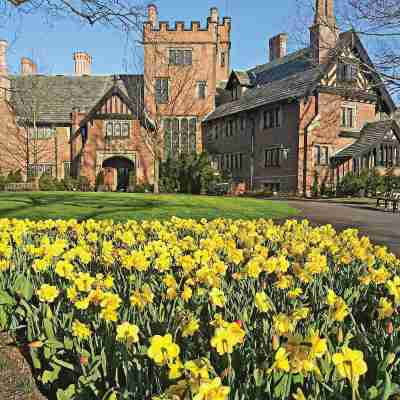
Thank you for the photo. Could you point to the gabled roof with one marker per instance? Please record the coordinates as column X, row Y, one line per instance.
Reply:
column 130, row 92
column 352, row 40
column 294, row 76
column 372, row 134
column 293, row 63
column 295, row 86
column 53, row 98
column 240, row 76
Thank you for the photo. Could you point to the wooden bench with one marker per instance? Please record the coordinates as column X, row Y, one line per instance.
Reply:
column 389, row 200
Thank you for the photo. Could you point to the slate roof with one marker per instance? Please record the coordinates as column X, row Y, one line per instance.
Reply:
column 54, row 97
column 281, row 68
column 371, row 134
column 286, row 77
column 294, row 86
column 294, row 75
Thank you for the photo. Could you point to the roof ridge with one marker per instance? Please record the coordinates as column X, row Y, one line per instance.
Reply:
column 278, row 61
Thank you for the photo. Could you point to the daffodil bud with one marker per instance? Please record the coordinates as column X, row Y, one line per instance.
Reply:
column 340, row 335
column 275, row 342
column 390, row 358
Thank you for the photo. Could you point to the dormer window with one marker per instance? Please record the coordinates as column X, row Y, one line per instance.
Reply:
column 347, row 72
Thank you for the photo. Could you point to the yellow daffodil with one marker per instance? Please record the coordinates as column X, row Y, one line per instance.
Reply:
column 350, row 364
column 128, row 333
column 80, row 330
column 48, row 293
column 263, row 302
column 162, row 349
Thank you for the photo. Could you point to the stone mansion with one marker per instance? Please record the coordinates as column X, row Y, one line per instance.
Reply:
column 317, row 113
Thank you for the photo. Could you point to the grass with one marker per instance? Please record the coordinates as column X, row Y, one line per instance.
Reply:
column 3, row 363
column 122, row 206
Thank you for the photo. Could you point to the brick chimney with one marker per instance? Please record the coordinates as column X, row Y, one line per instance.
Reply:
column 278, row 46
column 4, row 81
column 324, row 33
column 28, row 67
column 152, row 14
column 214, row 15
column 83, row 63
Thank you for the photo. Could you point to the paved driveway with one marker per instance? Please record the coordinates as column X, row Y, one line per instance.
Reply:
column 382, row 227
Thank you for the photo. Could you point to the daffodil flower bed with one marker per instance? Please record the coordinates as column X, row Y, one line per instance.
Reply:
column 199, row 310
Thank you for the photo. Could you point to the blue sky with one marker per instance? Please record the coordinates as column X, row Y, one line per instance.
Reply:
column 52, row 44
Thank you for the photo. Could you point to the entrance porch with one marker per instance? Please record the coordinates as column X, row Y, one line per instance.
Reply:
column 377, row 148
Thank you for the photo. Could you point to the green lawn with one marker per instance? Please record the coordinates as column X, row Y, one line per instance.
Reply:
column 122, row 206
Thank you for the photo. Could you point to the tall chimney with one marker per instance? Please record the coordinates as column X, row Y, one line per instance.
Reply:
column 152, row 14
column 214, row 15
column 278, row 46
column 3, row 57
column 325, row 32
column 4, row 80
column 83, row 63
column 28, row 67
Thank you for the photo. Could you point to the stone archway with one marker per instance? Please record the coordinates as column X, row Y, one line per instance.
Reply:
column 117, row 168
column 117, row 173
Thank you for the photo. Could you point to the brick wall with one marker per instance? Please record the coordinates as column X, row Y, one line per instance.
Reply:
column 326, row 130
column 207, row 45
column 97, row 149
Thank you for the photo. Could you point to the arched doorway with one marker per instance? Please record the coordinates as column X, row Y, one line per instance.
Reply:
column 117, row 172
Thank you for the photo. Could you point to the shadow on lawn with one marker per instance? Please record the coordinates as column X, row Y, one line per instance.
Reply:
column 39, row 206
column 36, row 205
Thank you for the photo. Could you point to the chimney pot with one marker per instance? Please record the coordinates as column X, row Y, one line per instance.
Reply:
column 152, row 14
column 278, row 46
column 28, row 67
column 83, row 63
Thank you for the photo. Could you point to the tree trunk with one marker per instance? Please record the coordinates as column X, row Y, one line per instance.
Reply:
column 56, row 153
column 156, row 189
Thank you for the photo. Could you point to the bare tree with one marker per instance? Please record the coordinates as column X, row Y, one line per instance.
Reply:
column 24, row 141
column 376, row 23
column 178, row 102
column 125, row 15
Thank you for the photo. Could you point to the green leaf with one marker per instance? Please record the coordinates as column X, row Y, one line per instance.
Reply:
column 51, row 376
column 388, row 391
column 6, row 299
column 67, row 394
column 48, row 328
column 23, row 287
column 35, row 359
column 68, row 343
column 64, row 364
column 3, row 318
column 54, row 344
column 258, row 377
column 47, row 352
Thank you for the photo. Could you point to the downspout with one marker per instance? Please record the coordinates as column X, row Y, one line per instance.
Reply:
column 305, row 144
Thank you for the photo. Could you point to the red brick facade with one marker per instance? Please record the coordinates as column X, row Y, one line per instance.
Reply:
column 289, row 143
column 281, row 144
column 80, row 144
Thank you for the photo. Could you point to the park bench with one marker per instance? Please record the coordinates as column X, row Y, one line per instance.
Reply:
column 389, row 200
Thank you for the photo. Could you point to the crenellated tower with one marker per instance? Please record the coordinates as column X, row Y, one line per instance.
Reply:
column 184, row 65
